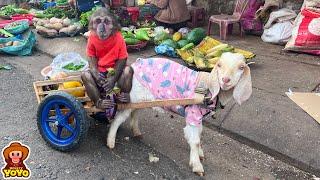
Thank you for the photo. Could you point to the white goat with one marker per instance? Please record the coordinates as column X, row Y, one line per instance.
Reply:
column 230, row 77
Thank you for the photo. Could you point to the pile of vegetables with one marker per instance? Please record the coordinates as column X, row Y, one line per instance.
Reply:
column 12, row 10
column 62, row 2
column 205, row 55
column 55, row 27
column 73, row 67
column 135, row 36
column 180, row 39
column 85, row 17
column 57, row 12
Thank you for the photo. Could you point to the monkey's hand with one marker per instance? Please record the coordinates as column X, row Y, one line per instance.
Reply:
column 123, row 97
column 109, row 84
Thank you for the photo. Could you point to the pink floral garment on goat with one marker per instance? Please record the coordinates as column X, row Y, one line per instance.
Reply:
column 169, row 80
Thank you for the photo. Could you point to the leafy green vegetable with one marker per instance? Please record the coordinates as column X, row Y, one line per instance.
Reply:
column 8, row 10
column 60, row 13
column 73, row 67
column 85, row 17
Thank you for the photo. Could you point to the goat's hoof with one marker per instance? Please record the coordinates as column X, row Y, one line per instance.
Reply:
column 199, row 173
column 201, row 158
column 198, row 169
column 138, row 136
column 110, row 143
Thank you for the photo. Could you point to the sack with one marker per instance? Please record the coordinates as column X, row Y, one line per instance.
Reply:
column 248, row 21
column 306, row 32
column 281, row 15
column 278, row 33
column 164, row 49
column 24, row 48
column 18, row 27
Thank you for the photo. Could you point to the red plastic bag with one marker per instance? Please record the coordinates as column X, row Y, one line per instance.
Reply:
column 306, row 33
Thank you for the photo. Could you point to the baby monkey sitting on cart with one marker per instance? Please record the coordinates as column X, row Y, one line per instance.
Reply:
column 107, row 53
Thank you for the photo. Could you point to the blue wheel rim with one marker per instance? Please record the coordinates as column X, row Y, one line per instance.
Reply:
column 62, row 122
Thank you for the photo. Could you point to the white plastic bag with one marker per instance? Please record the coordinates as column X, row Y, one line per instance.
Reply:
column 278, row 33
column 62, row 60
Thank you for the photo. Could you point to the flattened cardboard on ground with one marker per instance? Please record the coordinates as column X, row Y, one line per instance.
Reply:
column 309, row 102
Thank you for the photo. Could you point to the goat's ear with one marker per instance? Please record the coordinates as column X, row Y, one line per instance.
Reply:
column 243, row 89
column 213, row 83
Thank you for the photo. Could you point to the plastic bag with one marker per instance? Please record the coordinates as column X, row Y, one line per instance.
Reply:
column 165, row 50
column 22, row 26
column 61, row 63
column 306, row 32
column 278, row 33
column 26, row 44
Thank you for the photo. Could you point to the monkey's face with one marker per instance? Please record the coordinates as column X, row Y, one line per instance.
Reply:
column 103, row 26
column 15, row 156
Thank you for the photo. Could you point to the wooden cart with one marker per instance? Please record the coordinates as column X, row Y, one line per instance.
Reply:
column 62, row 117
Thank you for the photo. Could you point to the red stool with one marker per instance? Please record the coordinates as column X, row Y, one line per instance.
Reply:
column 133, row 13
column 198, row 16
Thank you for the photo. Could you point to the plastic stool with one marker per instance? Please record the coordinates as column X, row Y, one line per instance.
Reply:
column 198, row 16
column 133, row 13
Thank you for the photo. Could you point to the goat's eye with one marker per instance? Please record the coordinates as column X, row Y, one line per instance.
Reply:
column 241, row 67
column 219, row 65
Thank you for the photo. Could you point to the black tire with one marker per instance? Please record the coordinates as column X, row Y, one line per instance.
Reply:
column 79, row 115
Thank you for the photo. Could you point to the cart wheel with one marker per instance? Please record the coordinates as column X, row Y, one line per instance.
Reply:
column 62, row 121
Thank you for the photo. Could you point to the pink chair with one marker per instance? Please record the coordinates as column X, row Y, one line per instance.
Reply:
column 226, row 21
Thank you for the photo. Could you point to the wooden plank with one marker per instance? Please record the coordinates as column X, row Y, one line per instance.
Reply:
column 199, row 98
column 65, row 90
column 53, row 82
column 36, row 91
column 162, row 103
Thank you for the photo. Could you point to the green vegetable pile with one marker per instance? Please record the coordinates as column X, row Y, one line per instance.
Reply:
column 58, row 13
column 85, row 17
column 133, row 37
column 12, row 10
column 73, row 67
column 62, row 2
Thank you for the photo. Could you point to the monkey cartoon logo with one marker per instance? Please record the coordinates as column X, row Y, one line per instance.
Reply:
column 14, row 156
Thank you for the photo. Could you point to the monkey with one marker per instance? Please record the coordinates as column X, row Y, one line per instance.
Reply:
column 106, row 48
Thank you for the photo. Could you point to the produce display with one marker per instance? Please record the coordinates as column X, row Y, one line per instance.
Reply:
column 12, row 10
column 205, row 55
column 55, row 27
column 85, row 17
column 134, row 36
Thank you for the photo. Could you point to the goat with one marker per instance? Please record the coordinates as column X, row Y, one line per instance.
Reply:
column 230, row 77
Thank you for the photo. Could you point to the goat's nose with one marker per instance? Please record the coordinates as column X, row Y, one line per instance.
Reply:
column 226, row 79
